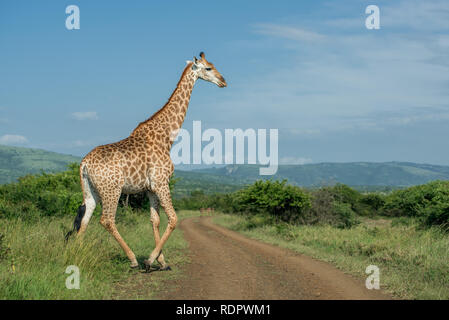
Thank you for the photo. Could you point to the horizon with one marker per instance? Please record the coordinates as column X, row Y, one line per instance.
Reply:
column 191, row 167
column 336, row 91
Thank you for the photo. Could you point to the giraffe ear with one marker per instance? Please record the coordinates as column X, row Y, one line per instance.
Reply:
column 188, row 61
column 195, row 63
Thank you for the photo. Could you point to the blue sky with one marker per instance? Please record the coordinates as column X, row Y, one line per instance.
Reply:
column 336, row 91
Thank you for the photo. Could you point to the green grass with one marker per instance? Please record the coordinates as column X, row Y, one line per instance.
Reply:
column 35, row 265
column 413, row 262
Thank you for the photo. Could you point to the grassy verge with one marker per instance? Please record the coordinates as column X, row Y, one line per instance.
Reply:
column 413, row 263
column 35, row 264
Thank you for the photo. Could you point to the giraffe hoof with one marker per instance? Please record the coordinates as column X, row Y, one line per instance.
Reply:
column 167, row 268
column 134, row 267
column 147, row 264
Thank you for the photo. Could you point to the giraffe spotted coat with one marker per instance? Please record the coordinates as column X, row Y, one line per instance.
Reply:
column 141, row 163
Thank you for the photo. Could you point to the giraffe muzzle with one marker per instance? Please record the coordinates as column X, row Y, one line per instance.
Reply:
column 222, row 83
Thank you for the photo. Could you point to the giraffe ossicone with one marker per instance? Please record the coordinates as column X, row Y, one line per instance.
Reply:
column 141, row 163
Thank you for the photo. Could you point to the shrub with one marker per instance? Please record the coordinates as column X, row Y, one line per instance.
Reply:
column 326, row 209
column 346, row 217
column 411, row 201
column 322, row 208
column 276, row 198
column 437, row 211
column 43, row 194
column 374, row 200
column 345, row 194
column 429, row 203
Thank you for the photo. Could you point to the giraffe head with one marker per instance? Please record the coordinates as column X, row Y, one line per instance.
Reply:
column 206, row 71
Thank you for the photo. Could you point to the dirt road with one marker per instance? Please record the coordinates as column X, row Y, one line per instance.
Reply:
column 227, row 265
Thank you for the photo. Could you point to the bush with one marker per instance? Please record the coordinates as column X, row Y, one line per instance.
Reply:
column 272, row 202
column 429, row 203
column 360, row 204
column 345, row 194
column 326, row 209
column 322, row 208
column 346, row 217
column 40, row 195
column 374, row 200
column 276, row 198
column 437, row 213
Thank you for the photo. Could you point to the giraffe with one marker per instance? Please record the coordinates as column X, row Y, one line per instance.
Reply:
column 141, row 163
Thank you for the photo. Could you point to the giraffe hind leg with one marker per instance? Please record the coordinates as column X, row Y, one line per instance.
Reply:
column 109, row 225
column 163, row 193
column 107, row 220
column 155, row 220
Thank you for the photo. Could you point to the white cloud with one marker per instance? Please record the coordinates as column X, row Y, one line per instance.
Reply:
column 415, row 118
column 288, row 32
column 294, row 160
column 410, row 14
column 89, row 115
column 13, row 139
column 347, row 23
column 416, row 14
column 80, row 143
column 303, row 132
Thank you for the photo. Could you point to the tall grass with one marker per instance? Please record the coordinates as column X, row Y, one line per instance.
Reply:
column 35, row 264
column 413, row 262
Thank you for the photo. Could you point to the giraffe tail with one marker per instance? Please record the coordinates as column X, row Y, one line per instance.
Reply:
column 77, row 222
column 81, row 208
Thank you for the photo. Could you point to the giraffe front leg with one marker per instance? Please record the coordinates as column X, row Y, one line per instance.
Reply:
column 163, row 193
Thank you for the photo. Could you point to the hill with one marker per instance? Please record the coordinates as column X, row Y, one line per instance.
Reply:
column 16, row 162
column 395, row 174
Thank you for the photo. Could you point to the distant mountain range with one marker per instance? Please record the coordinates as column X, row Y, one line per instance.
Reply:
column 16, row 162
column 396, row 174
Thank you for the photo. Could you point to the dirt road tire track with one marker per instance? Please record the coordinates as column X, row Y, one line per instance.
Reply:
column 227, row 265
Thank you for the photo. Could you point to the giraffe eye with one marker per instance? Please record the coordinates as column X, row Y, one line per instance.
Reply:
column 208, row 69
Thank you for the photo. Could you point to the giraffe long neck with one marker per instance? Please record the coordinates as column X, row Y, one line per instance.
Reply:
column 173, row 113
column 171, row 116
